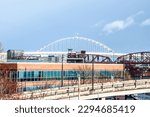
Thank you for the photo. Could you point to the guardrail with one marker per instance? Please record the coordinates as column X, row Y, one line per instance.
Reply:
column 68, row 92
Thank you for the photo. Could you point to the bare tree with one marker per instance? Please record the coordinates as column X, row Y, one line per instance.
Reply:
column 85, row 72
column 127, row 76
column 8, row 87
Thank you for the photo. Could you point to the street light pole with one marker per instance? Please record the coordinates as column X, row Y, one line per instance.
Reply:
column 92, row 75
column 62, row 71
column 79, row 86
column 93, row 58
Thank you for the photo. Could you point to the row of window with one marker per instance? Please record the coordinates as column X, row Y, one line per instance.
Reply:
column 58, row 74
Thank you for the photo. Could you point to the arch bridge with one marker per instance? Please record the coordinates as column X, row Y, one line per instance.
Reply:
column 76, row 43
column 96, row 49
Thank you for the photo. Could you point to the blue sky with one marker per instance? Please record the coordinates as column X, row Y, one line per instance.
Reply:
column 123, row 25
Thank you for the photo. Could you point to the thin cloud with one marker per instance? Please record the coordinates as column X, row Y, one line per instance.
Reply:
column 146, row 22
column 118, row 25
column 139, row 13
column 98, row 24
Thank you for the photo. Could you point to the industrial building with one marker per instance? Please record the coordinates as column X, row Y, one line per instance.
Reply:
column 31, row 74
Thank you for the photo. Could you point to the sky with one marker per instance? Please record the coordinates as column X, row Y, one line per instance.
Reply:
column 122, row 25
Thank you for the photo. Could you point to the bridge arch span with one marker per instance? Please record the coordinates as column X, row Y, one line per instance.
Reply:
column 76, row 43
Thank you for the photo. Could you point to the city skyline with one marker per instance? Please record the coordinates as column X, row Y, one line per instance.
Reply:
column 123, row 25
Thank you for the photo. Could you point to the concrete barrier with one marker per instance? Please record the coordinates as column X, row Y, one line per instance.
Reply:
column 72, row 91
